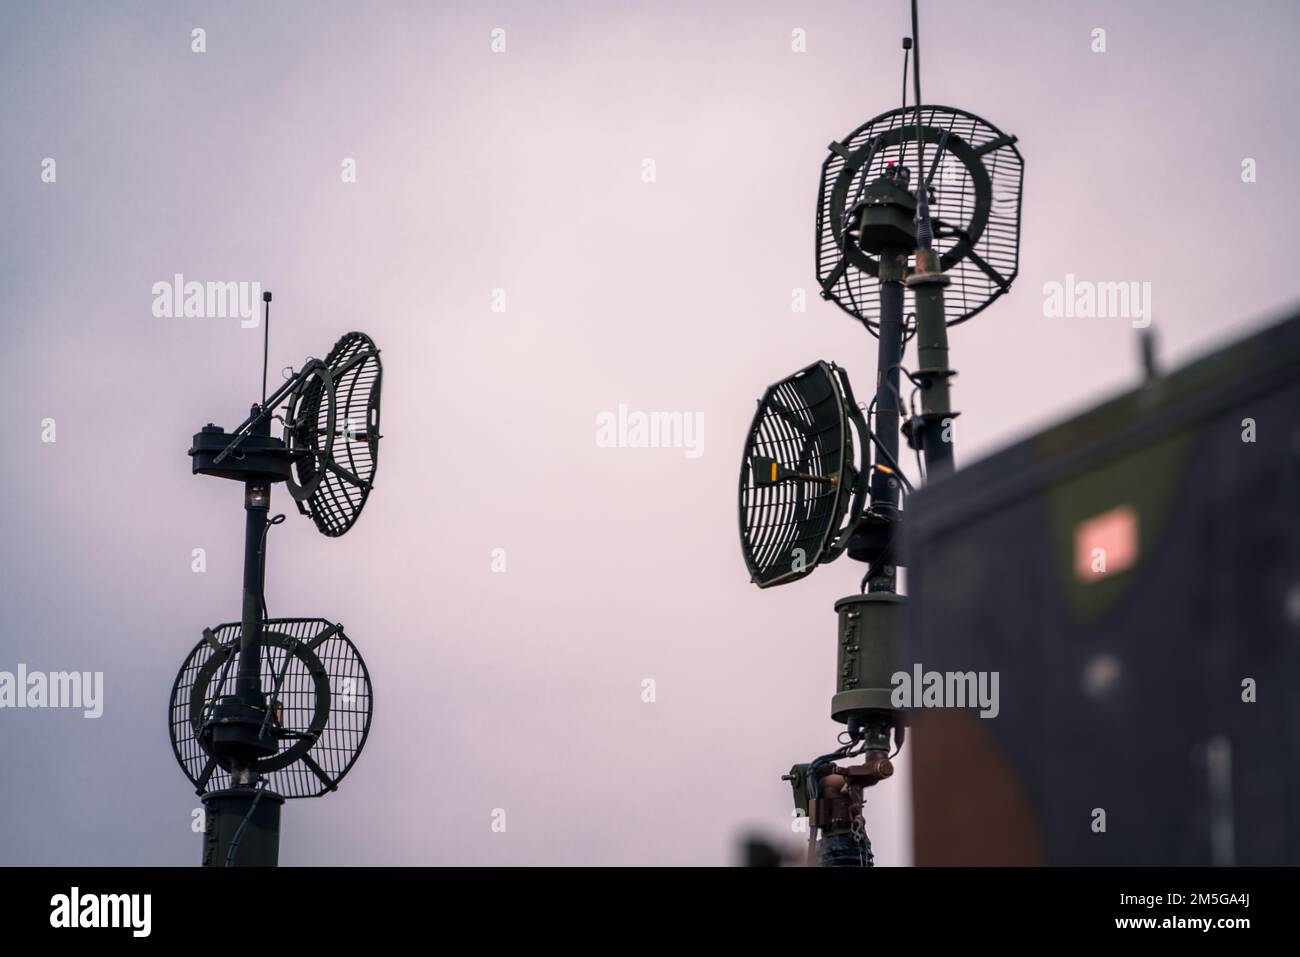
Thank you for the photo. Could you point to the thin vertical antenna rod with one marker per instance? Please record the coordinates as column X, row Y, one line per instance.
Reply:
column 916, row 57
column 266, row 339
column 902, row 143
column 924, row 231
column 927, row 284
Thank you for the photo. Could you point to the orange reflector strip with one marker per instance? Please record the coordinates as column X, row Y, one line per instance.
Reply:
column 773, row 471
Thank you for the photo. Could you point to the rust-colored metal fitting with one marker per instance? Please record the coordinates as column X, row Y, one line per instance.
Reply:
column 874, row 768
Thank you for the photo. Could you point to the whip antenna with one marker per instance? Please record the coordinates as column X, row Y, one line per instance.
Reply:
column 266, row 338
column 924, row 234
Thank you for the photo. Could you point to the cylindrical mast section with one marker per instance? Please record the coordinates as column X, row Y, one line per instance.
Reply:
column 884, row 484
column 257, row 502
column 927, row 285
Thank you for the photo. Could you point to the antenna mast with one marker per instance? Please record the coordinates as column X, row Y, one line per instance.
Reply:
column 807, row 492
column 244, row 732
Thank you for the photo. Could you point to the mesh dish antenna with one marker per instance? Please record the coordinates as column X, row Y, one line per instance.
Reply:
column 800, row 477
column 974, row 176
column 332, row 431
column 319, row 700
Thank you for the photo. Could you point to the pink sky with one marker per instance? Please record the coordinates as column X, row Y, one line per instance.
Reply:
column 522, row 171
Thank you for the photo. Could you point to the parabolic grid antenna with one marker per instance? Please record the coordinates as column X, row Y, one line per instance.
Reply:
column 799, row 477
column 332, row 430
column 318, row 691
column 974, row 175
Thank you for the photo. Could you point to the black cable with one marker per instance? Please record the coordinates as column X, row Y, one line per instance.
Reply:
column 279, row 682
column 239, row 831
column 890, row 460
column 871, row 570
column 892, row 463
column 231, row 655
column 912, row 377
column 909, row 332
column 911, row 408
column 261, row 557
column 813, row 785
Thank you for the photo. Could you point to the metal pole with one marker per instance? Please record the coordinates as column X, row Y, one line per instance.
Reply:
column 257, row 502
column 243, row 821
column 884, row 486
column 867, row 644
column 248, row 680
column 927, row 286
